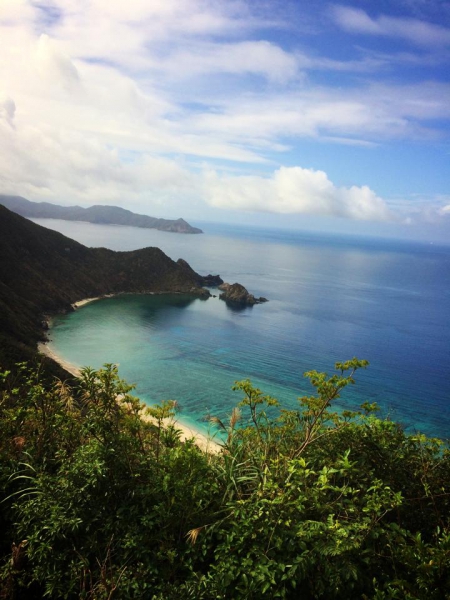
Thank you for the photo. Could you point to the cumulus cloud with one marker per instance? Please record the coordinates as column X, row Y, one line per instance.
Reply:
column 294, row 190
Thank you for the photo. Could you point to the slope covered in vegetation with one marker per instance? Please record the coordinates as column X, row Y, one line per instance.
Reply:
column 97, row 503
column 42, row 271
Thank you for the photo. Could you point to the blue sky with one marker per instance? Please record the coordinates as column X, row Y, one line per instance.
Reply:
column 315, row 115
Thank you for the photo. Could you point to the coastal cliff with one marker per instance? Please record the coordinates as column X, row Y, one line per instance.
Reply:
column 43, row 272
column 202, row 280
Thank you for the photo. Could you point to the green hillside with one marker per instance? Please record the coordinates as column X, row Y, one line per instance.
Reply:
column 96, row 503
column 42, row 271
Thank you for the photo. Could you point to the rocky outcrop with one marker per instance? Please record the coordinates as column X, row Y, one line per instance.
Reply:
column 202, row 280
column 211, row 280
column 235, row 293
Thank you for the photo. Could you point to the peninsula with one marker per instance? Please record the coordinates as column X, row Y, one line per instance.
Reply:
column 98, row 214
column 42, row 272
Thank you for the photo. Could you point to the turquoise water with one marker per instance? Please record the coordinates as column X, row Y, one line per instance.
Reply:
column 330, row 298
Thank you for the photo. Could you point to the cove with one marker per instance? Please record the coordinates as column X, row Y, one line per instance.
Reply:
column 190, row 350
column 172, row 346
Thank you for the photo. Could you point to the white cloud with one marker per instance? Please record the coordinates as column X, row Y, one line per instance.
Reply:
column 16, row 12
column 419, row 32
column 360, row 115
column 71, row 167
column 7, row 109
column 169, row 16
column 255, row 57
column 420, row 209
column 54, row 66
column 293, row 190
column 102, row 101
column 134, row 34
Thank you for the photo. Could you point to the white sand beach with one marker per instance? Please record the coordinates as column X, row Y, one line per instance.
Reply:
column 187, row 433
column 87, row 301
column 43, row 348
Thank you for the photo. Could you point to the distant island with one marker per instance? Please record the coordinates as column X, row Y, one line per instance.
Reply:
column 98, row 214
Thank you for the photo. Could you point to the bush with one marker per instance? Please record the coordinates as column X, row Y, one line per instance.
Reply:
column 98, row 502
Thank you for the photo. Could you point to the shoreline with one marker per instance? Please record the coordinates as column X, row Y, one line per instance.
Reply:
column 44, row 349
column 188, row 432
column 80, row 303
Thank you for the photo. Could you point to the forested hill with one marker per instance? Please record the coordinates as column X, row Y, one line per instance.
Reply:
column 103, row 215
column 42, row 271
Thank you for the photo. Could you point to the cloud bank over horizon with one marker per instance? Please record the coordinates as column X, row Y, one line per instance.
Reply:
column 296, row 191
column 198, row 107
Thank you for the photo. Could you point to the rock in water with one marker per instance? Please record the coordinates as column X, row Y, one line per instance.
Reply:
column 237, row 294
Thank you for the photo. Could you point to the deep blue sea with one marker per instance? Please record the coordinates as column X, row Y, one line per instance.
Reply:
column 330, row 298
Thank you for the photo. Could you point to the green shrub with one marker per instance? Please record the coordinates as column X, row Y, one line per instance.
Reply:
column 98, row 503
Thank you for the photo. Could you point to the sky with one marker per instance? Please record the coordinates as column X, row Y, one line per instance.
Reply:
column 302, row 114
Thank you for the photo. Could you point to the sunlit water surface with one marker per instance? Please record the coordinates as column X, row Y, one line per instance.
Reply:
column 330, row 298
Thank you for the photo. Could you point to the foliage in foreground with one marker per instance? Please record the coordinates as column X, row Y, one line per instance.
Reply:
column 98, row 503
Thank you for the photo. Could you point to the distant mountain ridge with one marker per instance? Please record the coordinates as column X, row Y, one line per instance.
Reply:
column 43, row 272
column 99, row 214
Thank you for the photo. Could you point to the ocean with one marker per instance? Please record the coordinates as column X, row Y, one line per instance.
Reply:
column 330, row 298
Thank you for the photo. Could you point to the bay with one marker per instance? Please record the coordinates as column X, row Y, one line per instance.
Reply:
column 330, row 298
